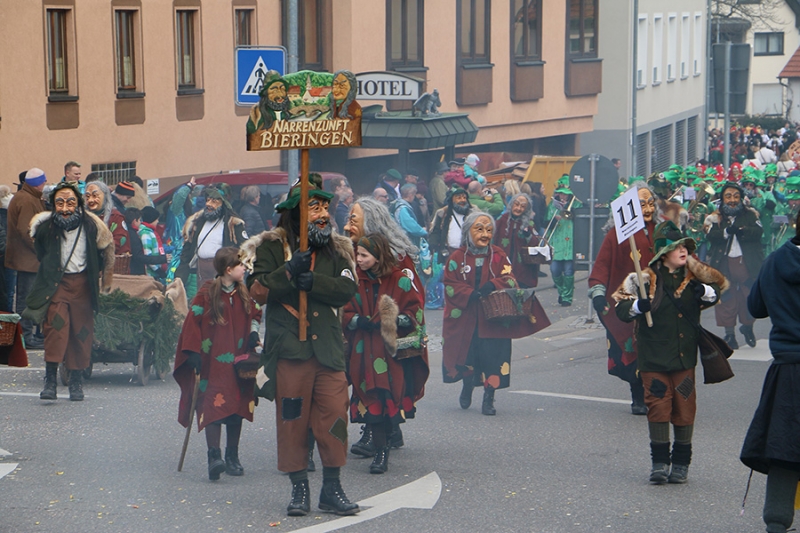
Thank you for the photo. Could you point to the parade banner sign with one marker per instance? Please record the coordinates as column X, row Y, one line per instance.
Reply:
column 305, row 110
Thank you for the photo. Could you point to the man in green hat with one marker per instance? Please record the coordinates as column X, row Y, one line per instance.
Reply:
column 734, row 239
column 762, row 200
column 306, row 378
column 679, row 288
column 785, row 230
column 205, row 232
column 559, row 219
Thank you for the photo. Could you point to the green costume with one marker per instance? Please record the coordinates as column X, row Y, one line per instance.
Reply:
column 493, row 207
column 560, row 238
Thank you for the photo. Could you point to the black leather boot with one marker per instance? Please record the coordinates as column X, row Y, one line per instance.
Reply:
column 216, row 465
column 749, row 336
column 232, row 465
column 466, row 392
column 311, row 442
column 366, row 446
column 333, row 499
column 731, row 340
column 301, row 499
column 50, row 382
column 380, row 464
column 488, row 402
column 396, row 438
column 76, row 386
column 637, row 399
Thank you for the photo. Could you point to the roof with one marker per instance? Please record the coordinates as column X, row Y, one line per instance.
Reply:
column 792, row 68
column 399, row 130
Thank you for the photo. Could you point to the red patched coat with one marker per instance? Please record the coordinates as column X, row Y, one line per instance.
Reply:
column 371, row 368
column 462, row 317
column 119, row 228
column 514, row 242
column 614, row 262
column 222, row 393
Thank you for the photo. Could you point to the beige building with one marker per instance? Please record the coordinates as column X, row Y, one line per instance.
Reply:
column 147, row 87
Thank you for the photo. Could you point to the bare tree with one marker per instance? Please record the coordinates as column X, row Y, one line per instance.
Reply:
column 762, row 14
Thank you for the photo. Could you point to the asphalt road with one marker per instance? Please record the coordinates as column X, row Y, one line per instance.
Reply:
column 563, row 454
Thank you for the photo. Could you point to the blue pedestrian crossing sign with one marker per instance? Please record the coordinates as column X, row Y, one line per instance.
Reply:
column 251, row 66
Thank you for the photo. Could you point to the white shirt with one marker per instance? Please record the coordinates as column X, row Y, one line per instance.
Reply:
column 77, row 262
column 454, row 231
column 736, row 248
column 211, row 238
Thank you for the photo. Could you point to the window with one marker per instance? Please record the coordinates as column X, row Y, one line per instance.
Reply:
column 768, row 44
column 661, row 150
column 57, row 51
column 699, row 45
column 658, row 48
column 527, row 29
column 641, row 51
column 113, row 173
column 404, row 33
column 309, row 45
column 672, row 45
column 583, row 28
column 126, row 49
column 475, row 18
column 185, row 28
column 685, row 43
column 243, row 22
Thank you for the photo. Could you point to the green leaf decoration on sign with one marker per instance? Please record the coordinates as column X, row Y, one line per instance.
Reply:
column 358, row 299
column 197, row 310
column 404, row 283
column 360, row 346
column 203, row 384
column 380, row 366
column 629, row 344
column 449, row 290
column 225, row 358
column 419, row 316
column 240, row 343
column 205, row 345
column 511, row 282
column 455, row 313
column 452, row 265
column 504, row 242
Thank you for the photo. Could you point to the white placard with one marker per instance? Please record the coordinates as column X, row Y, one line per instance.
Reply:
column 153, row 187
column 627, row 212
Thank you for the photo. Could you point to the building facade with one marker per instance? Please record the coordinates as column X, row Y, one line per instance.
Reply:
column 146, row 87
column 670, row 85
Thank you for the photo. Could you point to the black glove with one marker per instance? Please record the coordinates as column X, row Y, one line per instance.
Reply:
column 299, row 263
column 697, row 289
column 644, row 305
column 194, row 362
column 253, row 341
column 599, row 304
column 363, row 322
column 474, row 297
column 738, row 231
column 304, row 281
column 487, row 289
column 769, row 205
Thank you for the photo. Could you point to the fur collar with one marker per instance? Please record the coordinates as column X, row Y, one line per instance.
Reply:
column 343, row 246
column 189, row 227
column 716, row 216
column 695, row 269
column 104, row 237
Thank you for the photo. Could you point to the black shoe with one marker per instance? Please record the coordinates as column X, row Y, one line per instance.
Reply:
column 465, row 400
column 560, row 301
column 301, row 499
column 679, row 474
column 366, row 446
column 380, row 464
column 749, row 336
column 232, row 465
column 681, row 458
column 731, row 340
column 76, row 386
column 542, row 274
column 565, row 303
column 216, row 465
column 33, row 342
column 637, row 396
column 488, row 402
column 396, row 438
column 659, row 473
column 50, row 382
column 333, row 499
column 661, row 461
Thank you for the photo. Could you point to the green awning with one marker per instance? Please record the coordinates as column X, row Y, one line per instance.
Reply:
column 399, row 130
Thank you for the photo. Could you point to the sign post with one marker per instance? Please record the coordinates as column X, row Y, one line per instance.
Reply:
column 305, row 110
column 628, row 220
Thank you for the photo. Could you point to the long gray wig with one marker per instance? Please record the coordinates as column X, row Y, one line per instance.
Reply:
column 377, row 219
column 108, row 202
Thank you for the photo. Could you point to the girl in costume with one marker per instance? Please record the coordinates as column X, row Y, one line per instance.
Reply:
column 220, row 329
column 386, row 314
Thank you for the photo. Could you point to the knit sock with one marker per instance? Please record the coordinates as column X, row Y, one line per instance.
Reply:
column 330, row 472
column 683, row 434
column 659, row 432
column 779, row 502
column 730, row 330
column 300, row 475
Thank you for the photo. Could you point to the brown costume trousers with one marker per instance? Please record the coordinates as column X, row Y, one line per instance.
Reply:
column 670, row 396
column 69, row 327
column 734, row 301
column 309, row 395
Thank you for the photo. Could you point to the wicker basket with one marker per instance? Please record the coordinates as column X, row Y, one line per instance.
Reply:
column 122, row 264
column 506, row 305
column 248, row 368
column 537, row 259
column 411, row 346
column 7, row 333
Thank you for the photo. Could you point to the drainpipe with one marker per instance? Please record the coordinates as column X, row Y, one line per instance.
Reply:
column 635, row 86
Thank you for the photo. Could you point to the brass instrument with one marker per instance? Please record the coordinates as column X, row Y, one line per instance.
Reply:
column 707, row 192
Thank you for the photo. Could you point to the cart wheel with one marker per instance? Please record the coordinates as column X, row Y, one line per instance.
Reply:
column 63, row 373
column 87, row 372
column 145, row 362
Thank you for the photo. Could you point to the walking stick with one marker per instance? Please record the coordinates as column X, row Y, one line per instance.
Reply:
column 191, row 420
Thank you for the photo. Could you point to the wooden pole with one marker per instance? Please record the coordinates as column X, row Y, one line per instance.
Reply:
column 303, row 304
column 191, row 421
column 642, row 292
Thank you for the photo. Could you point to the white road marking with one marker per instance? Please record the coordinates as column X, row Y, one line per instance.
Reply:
column 19, row 368
column 571, row 396
column 420, row 494
column 29, row 394
column 6, row 469
column 4, row 452
column 759, row 353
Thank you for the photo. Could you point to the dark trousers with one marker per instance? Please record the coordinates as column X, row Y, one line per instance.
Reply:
column 24, row 286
